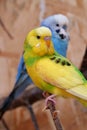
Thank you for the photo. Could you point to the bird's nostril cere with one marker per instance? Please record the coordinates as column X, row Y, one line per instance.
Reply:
column 58, row 30
column 62, row 36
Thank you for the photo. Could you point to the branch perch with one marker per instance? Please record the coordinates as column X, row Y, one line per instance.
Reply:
column 30, row 97
column 54, row 113
column 34, row 120
column 55, row 117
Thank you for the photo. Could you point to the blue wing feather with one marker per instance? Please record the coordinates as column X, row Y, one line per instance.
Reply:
column 22, row 78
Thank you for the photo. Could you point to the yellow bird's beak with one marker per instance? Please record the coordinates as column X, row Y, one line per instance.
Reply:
column 47, row 39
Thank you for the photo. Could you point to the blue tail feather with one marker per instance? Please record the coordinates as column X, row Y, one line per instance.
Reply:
column 22, row 81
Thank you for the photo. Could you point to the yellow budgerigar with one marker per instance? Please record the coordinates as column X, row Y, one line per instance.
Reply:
column 50, row 71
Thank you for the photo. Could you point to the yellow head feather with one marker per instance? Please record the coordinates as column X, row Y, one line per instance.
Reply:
column 39, row 40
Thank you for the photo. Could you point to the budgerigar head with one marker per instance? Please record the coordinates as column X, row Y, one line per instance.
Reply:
column 58, row 24
column 39, row 41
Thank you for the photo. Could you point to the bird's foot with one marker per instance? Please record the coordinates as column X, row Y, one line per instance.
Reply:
column 46, row 94
column 49, row 98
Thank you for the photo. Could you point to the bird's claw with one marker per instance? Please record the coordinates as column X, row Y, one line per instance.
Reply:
column 49, row 98
column 46, row 94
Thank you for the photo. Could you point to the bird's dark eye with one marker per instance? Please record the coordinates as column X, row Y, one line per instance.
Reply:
column 57, row 25
column 38, row 37
column 65, row 27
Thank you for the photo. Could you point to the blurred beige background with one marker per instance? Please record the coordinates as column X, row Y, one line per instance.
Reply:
column 19, row 17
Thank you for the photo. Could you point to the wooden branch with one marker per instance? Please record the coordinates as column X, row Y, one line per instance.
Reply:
column 32, row 95
column 84, row 65
column 55, row 116
column 27, row 99
column 33, row 117
column 54, row 113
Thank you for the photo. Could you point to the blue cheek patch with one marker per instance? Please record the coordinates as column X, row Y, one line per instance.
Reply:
column 60, row 46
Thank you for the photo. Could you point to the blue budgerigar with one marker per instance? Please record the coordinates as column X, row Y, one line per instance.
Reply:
column 58, row 24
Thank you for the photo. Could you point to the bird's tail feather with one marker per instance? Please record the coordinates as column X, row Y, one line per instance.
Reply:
column 22, row 86
column 80, row 92
column 18, row 89
column 6, row 104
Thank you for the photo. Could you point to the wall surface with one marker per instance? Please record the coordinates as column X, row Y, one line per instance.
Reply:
column 20, row 16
